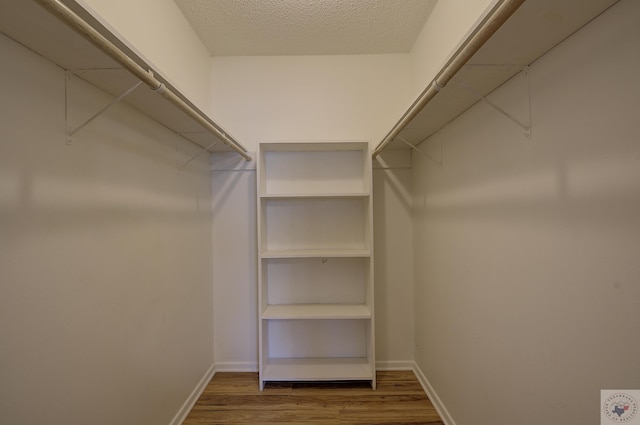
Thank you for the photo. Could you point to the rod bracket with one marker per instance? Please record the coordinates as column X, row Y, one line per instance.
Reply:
column 437, row 86
column 198, row 154
column 70, row 132
column 160, row 89
column 483, row 98
column 421, row 152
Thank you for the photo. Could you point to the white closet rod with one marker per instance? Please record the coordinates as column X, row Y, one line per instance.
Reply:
column 75, row 22
column 494, row 20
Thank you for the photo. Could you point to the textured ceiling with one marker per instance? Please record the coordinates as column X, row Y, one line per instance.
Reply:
column 306, row 27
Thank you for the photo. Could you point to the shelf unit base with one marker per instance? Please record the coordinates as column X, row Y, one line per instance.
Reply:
column 318, row 369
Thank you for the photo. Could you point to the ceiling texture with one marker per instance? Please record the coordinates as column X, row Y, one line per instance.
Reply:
column 306, row 27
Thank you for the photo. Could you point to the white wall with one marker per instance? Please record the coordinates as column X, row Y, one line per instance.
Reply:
column 302, row 98
column 309, row 97
column 235, row 266
column 105, row 257
column 527, row 253
column 161, row 34
column 393, row 272
column 447, row 26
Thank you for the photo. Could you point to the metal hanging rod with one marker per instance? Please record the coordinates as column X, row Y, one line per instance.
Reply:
column 494, row 20
column 66, row 15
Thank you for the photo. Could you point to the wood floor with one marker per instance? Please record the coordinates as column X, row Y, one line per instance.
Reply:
column 234, row 398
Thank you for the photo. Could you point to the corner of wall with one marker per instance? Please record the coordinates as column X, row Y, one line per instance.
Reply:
column 186, row 407
column 448, row 24
column 433, row 396
column 167, row 42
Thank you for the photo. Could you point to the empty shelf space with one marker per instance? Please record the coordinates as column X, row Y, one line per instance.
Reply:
column 341, row 167
column 317, row 369
column 317, row 311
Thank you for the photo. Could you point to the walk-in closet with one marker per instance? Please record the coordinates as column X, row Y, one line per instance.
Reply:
column 327, row 211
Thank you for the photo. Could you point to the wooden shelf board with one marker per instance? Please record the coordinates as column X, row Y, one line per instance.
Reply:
column 316, row 253
column 318, row 369
column 317, row 311
column 315, row 195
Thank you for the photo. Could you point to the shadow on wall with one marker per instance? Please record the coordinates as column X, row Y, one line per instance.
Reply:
column 526, row 252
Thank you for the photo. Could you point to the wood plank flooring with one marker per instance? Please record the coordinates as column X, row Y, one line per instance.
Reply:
column 234, row 398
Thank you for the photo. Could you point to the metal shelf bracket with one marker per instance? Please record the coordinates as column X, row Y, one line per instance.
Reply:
column 526, row 127
column 403, row 140
column 70, row 132
column 197, row 155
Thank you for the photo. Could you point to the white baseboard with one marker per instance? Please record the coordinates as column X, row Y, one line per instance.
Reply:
column 395, row 365
column 236, row 367
column 193, row 397
column 433, row 396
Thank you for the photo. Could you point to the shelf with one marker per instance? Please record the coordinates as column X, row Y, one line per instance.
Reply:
column 318, row 369
column 314, row 224
column 535, row 28
column 315, row 268
column 315, row 195
column 32, row 26
column 316, row 253
column 317, row 311
column 310, row 169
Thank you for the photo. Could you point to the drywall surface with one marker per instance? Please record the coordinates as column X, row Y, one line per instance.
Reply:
column 302, row 98
column 235, row 265
column 158, row 30
column 527, row 252
column 393, row 266
column 446, row 27
column 309, row 97
column 235, row 269
column 105, row 257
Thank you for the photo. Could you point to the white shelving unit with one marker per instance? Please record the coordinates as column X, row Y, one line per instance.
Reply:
column 315, row 271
